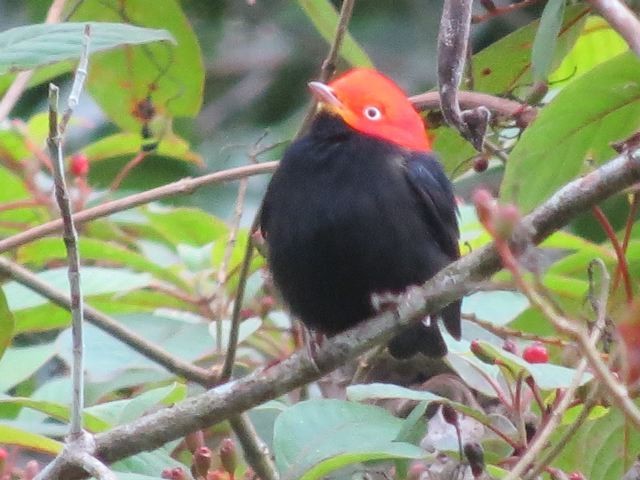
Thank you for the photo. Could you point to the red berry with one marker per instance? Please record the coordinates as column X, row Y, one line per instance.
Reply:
column 79, row 165
column 480, row 163
column 536, row 353
column 3, row 454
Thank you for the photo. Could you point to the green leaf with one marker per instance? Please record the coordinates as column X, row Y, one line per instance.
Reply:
column 188, row 226
column 120, row 412
column 49, row 316
column 544, row 45
column 382, row 391
column 14, row 188
column 7, row 324
column 14, row 436
column 497, row 307
column 247, row 328
column 95, row 281
column 597, row 43
column 172, row 77
column 562, row 137
column 316, row 437
column 30, row 46
column 452, row 149
column 324, row 17
column 506, row 64
column 601, row 449
column 58, row 411
column 120, row 144
column 19, row 363
column 42, row 251
column 107, row 358
column 145, row 464
column 546, row 375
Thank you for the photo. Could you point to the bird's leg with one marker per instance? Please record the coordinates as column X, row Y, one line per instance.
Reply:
column 312, row 342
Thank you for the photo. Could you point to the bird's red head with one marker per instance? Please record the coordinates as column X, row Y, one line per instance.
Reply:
column 374, row 105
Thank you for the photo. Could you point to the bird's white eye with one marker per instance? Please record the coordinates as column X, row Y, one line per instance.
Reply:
column 372, row 113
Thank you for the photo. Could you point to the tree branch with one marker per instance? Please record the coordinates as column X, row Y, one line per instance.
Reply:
column 453, row 44
column 181, row 187
column 454, row 281
column 521, row 112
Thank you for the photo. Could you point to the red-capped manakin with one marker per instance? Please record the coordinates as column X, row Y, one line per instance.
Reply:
column 360, row 205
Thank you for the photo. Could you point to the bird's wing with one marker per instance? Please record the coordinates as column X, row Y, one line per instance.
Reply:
column 426, row 176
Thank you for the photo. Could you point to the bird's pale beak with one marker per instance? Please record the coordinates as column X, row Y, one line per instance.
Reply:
column 324, row 94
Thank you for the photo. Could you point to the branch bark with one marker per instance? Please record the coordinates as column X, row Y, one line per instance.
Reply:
column 456, row 280
column 453, row 44
column 181, row 187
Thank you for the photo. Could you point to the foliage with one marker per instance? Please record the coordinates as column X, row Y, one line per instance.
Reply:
column 187, row 88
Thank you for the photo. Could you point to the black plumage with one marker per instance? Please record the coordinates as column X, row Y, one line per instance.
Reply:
column 347, row 215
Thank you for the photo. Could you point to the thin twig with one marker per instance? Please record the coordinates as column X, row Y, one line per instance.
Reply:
column 622, row 19
column 131, row 164
column 494, row 12
column 181, row 187
column 329, row 64
column 542, row 436
column 70, row 235
column 224, row 265
column 230, row 356
column 506, row 332
column 600, row 308
column 256, row 452
column 615, row 243
column 220, row 403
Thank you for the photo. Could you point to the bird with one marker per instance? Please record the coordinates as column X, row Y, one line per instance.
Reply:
column 358, row 206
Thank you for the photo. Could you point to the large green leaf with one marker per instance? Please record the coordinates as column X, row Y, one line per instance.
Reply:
column 44, row 250
column 13, row 436
column 58, row 411
column 316, row 437
column 597, row 43
column 14, row 188
column 601, row 449
column 49, row 316
column 125, row 143
column 95, row 281
column 601, row 106
column 188, row 226
column 34, row 45
column 172, row 76
column 324, row 17
column 107, row 358
column 120, row 412
column 506, row 64
column 7, row 324
column 19, row 363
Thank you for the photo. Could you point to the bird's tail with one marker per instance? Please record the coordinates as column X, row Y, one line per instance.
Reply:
column 426, row 338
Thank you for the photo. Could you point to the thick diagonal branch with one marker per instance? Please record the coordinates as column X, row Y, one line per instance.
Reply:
column 457, row 279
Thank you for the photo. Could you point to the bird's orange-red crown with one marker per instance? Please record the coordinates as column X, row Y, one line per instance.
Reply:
column 373, row 104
